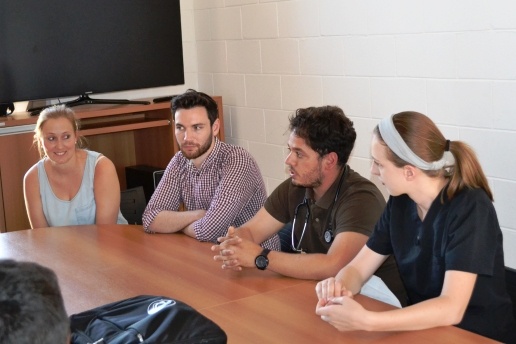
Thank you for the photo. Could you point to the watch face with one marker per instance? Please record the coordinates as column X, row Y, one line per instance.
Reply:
column 261, row 262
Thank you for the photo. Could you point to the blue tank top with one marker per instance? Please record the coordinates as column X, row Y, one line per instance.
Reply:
column 82, row 208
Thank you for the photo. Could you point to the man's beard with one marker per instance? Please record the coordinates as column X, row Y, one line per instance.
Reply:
column 201, row 149
column 314, row 177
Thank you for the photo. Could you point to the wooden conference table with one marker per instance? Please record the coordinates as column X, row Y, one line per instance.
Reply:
column 101, row 264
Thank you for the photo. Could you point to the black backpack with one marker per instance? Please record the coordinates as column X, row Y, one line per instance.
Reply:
column 144, row 319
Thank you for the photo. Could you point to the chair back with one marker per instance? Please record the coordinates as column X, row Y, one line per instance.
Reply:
column 510, row 280
column 132, row 205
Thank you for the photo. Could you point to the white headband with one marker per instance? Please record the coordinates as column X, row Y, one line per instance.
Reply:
column 396, row 143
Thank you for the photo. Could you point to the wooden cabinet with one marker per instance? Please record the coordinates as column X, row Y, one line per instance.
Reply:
column 127, row 134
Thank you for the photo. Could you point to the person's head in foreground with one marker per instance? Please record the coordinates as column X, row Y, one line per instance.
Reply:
column 31, row 305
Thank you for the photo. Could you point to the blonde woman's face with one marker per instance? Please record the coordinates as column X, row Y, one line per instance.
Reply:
column 58, row 139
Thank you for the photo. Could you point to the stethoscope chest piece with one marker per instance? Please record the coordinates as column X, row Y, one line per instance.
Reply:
column 328, row 236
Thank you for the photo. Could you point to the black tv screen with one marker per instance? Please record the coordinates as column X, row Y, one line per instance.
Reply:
column 64, row 48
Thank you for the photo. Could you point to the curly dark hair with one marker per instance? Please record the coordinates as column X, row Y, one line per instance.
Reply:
column 325, row 129
column 192, row 98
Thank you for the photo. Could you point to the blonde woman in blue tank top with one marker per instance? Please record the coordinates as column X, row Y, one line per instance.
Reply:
column 69, row 185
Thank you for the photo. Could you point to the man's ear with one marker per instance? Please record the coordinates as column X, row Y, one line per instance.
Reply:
column 215, row 127
column 331, row 159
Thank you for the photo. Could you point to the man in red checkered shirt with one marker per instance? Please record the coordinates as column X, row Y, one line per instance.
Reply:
column 219, row 184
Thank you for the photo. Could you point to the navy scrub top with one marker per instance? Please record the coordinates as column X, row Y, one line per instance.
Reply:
column 462, row 234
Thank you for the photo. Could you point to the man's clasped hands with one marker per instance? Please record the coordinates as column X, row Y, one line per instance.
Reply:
column 235, row 253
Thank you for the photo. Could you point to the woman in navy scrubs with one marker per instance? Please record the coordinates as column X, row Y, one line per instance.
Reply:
column 441, row 226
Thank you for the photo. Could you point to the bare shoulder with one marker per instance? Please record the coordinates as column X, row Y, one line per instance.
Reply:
column 105, row 171
column 104, row 163
column 31, row 175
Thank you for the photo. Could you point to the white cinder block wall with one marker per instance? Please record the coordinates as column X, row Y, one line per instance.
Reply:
column 452, row 60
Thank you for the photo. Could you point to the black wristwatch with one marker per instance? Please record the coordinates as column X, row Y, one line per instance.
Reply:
column 262, row 261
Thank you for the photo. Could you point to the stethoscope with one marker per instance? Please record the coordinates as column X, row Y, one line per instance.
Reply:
column 328, row 233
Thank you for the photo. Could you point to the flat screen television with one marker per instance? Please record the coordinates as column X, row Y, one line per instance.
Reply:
column 52, row 49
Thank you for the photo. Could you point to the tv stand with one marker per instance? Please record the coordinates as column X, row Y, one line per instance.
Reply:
column 163, row 99
column 85, row 99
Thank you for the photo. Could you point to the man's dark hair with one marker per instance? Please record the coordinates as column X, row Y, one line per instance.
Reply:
column 325, row 129
column 31, row 305
column 192, row 98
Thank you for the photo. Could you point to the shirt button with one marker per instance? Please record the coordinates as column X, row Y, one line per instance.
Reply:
column 316, row 219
